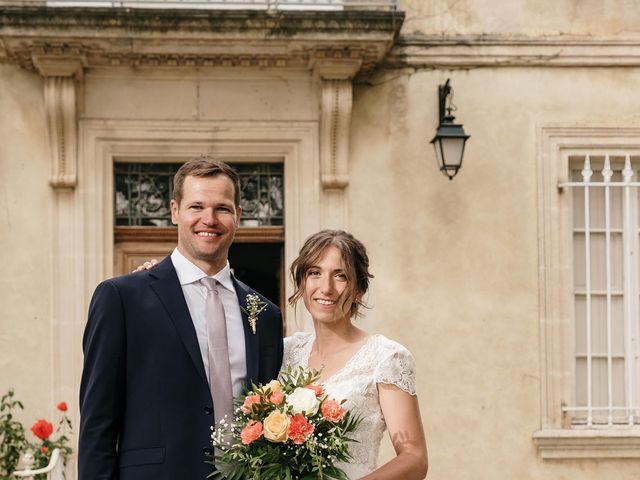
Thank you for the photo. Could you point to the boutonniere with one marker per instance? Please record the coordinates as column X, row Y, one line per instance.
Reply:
column 254, row 307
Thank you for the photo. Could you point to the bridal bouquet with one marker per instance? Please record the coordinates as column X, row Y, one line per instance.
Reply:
column 288, row 429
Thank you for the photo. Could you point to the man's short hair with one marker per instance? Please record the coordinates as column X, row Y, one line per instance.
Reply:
column 205, row 166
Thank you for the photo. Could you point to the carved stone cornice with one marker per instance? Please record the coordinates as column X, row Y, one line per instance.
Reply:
column 196, row 38
column 480, row 51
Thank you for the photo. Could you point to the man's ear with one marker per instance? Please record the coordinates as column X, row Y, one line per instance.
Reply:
column 238, row 215
column 174, row 211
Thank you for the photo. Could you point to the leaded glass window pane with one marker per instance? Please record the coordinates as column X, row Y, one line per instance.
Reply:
column 143, row 192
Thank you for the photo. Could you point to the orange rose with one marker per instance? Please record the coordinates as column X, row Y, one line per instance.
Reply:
column 276, row 426
column 299, row 429
column 251, row 432
column 249, row 402
column 332, row 411
column 276, row 398
column 317, row 388
column 44, row 449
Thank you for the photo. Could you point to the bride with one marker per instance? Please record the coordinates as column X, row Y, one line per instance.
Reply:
column 375, row 375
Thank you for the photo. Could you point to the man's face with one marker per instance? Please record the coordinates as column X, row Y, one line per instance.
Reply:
column 207, row 219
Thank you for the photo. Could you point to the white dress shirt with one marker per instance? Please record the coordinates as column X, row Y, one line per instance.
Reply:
column 195, row 293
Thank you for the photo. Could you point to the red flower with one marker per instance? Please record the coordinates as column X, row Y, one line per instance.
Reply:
column 62, row 406
column 44, row 449
column 251, row 432
column 299, row 429
column 317, row 388
column 42, row 429
column 332, row 411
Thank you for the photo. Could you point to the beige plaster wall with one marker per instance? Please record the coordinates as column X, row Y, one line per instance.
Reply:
column 207, row 94
column 456, row 261
column 523, row 17
column 25, row 209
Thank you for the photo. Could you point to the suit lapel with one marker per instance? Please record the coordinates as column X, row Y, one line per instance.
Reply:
column 251, row 343
column 167, row 288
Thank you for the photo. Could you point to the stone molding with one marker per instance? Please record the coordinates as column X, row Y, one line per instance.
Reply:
column 568, row 444
column 482, row 51
column 196, row 38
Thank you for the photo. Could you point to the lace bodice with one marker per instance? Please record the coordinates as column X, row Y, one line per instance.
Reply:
column 379, row 360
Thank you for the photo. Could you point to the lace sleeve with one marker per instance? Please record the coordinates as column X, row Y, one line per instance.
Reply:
column 398, row 368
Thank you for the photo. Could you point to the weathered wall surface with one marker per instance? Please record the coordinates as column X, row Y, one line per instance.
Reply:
column 456, row 262
column 25, row 206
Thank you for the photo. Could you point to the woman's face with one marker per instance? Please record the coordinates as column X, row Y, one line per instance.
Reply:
column 325, row 281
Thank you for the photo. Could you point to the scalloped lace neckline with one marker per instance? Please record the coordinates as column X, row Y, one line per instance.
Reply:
column 346, row 365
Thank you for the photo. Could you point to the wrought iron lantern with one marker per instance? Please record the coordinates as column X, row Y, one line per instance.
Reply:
column 450, row 137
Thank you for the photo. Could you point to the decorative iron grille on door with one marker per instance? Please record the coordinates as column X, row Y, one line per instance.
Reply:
column 143, row 192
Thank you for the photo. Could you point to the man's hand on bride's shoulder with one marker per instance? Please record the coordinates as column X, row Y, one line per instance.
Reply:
column 146, row 266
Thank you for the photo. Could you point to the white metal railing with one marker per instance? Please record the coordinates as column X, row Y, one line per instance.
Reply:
column 597, row 198
column 54, row 471
column 235, row 4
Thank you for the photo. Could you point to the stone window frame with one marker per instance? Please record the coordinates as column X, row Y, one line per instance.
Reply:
column 556, row 438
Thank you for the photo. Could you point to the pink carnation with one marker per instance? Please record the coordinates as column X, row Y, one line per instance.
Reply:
column 251, row 432
column 332, row 411
column 299, row 429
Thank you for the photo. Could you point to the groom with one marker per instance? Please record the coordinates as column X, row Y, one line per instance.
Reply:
column 152, row 356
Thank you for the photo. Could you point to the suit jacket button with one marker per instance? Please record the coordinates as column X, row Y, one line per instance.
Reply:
column 207, row 450
column 208, row 410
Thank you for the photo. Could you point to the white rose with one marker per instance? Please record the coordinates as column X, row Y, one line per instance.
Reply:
column 303, row 400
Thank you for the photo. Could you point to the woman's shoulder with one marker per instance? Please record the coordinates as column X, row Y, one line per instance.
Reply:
column 386, row 345
column 395, row 364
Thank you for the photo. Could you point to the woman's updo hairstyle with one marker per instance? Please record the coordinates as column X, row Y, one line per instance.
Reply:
column 356, row 262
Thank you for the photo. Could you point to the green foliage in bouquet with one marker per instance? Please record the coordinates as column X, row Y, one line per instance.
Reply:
column 286, row 430
column 13, row 441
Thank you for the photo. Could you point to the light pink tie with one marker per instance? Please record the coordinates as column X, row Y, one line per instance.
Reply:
column 219, row 369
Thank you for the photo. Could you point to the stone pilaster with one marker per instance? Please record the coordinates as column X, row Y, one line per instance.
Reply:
column 335, row 77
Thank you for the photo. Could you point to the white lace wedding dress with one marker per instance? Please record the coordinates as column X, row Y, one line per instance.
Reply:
column 379, row 360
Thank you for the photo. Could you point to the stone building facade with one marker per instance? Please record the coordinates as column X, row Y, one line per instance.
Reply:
column 479, row 276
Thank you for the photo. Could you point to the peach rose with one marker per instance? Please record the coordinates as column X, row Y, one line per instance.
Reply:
column 249, row 402
column 276, row 398
column 273, row 385
column 251, row 432
column 317, row 388
column 276, row 427
column 332, row 411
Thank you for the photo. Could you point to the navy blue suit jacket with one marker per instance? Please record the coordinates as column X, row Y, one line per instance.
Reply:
column 145, row 405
